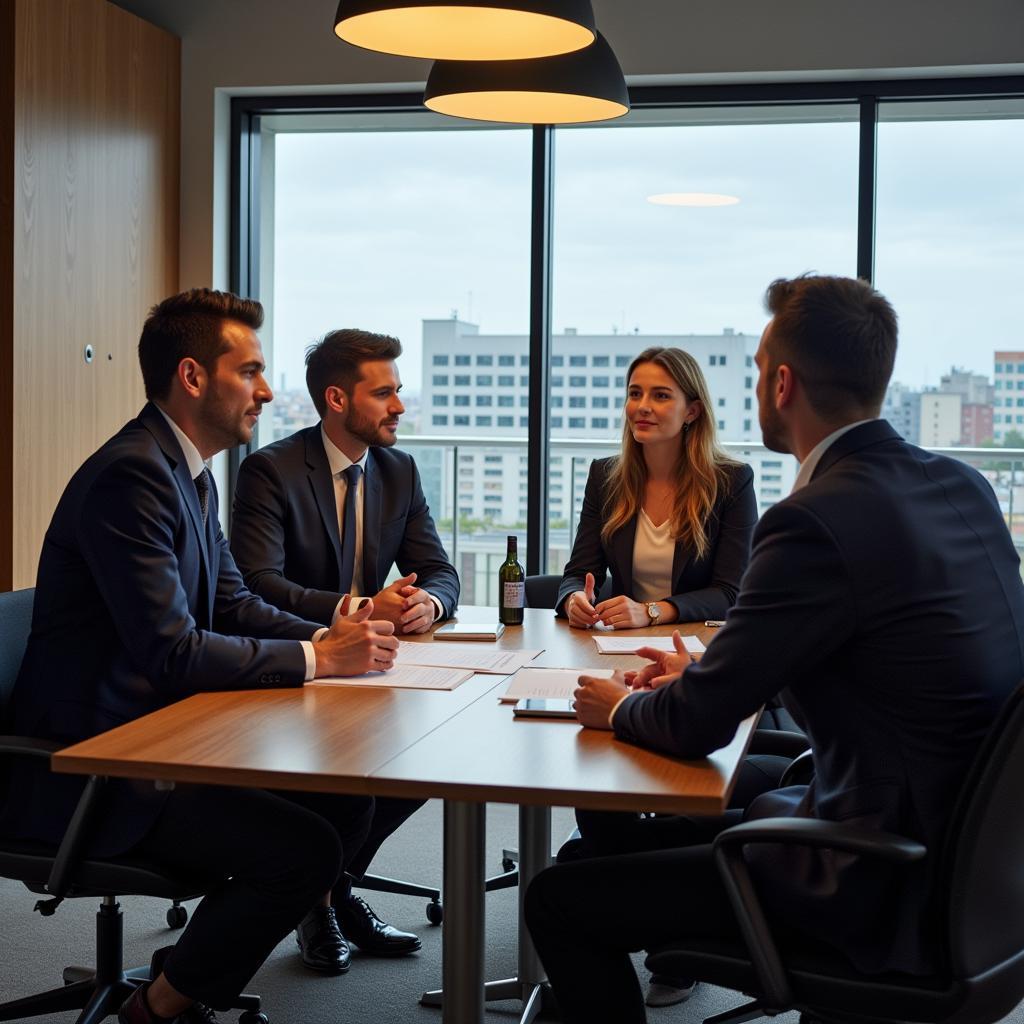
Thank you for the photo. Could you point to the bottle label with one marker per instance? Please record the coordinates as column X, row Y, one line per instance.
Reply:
column 513, row 595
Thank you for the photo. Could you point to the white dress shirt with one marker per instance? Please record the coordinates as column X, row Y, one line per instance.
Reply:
column 339, row 462
column 196, row 465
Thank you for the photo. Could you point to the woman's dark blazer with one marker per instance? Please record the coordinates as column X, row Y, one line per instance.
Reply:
column 702, row 588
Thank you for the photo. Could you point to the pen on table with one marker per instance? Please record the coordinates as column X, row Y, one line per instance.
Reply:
column 714, row 622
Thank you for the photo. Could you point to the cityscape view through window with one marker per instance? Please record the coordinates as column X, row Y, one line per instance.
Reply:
column 425, row 234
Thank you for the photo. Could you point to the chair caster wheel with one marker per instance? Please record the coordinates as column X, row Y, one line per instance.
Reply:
column 435, row 913
column 507, row 865
column 176, row 916
column 250, row 1017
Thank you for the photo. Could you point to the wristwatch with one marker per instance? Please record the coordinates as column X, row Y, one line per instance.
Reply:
column 653, row 612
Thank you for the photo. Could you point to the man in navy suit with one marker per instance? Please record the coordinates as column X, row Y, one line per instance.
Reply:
column 883, row 600
column 138, row 604
column 319, row 519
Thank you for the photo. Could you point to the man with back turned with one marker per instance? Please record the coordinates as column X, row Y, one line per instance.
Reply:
column 883, row 600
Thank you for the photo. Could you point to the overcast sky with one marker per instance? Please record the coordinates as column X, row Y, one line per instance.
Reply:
column 382, row 230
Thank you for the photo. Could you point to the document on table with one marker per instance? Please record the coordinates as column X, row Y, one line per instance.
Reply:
column 547, row 682
column 405, row 677
column 469, row 656
column 631, row 644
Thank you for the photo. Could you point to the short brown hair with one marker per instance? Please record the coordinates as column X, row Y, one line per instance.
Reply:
column 839, row 336
column 336, row 360
column 189, row 326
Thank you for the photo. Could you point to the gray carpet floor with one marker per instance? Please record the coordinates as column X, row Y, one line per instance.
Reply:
column 33, row 950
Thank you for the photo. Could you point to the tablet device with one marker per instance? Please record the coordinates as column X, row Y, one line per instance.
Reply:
column 544, row 707
column 468, row 631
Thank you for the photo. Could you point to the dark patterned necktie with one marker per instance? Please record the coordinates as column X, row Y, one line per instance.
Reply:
column 202, row 483
column 348, row 528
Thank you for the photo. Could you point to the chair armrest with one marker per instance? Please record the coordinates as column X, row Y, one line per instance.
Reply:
column 799, row 771
column 833, row 835
column 728, row 853
column 778, row 741
column 78, row 831
column 24, row 746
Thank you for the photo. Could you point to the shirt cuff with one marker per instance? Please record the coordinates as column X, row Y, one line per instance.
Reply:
column 356, row 603
column 611, row 714
column 307, row 653
column 439, row 612
column 337, row 610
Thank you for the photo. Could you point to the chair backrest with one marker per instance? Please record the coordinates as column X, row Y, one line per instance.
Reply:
column 15, row 622
column 983, row 872
column 542, row 591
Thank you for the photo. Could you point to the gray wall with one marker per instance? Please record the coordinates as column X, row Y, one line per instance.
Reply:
column 238, row 46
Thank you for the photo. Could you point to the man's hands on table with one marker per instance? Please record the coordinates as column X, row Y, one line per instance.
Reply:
column 597, row 696
column 408, row 608
column 355, row 644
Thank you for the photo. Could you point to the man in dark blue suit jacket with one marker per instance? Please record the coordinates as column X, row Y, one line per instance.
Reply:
column 285, row 531
column 319, row 519
column 883, row 600
column 138, row 604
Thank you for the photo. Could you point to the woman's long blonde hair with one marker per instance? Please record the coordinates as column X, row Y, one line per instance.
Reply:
column 702, row 465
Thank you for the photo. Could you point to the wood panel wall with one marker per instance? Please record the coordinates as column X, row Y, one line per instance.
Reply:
column 95, row 239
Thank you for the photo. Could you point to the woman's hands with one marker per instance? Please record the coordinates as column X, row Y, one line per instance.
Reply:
column 579, row 606
column 616, row 613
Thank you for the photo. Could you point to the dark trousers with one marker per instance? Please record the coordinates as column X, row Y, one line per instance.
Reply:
column 278, row 855
column 588, row 916
column 388, row 814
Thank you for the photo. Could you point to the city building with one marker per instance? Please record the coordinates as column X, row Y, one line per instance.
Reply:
column 1008, row 378
column 477, row 386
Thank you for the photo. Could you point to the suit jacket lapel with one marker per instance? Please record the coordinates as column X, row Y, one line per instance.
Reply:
column 620, row 559
column 157, row 426
column 322, row 483
column 372, row 499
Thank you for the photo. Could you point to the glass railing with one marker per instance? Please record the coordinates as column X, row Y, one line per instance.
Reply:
column 476, row 487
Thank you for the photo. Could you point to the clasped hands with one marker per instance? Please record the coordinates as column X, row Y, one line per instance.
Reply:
column 619, row 612
column 409, row 609
column 596, row 696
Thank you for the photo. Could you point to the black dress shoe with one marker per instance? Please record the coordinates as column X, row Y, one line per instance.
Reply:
column 363, row 927
column 323, row 946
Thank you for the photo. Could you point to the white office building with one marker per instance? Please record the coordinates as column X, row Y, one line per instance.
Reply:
column 477, row 385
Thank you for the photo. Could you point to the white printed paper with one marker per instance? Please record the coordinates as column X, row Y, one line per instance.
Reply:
column 471, row 656
column 631, row 644
column 406, row 677
column 547, row 682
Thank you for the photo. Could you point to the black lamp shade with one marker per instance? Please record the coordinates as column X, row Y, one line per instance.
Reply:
column 585, row 85
column 467, row 29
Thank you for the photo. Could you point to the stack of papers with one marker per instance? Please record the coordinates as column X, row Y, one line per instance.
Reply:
column 547, row 682
column 464, row 656
column 631, row 644
column 405, row 677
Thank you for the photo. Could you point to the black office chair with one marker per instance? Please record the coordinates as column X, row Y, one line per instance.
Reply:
column 980, row 919
column 542, row 591
column 63, row 873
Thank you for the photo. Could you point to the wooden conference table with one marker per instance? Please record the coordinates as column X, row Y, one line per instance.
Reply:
column 460, row 745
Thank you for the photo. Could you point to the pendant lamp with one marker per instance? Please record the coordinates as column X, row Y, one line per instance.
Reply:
column 467, row 29
column 586, row 85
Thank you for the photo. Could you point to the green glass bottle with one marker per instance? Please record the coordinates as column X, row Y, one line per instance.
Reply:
column 511, row 587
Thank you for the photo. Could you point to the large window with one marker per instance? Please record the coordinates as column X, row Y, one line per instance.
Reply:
column 388, row 218
column 633, row 269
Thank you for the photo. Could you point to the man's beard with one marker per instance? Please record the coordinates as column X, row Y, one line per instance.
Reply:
column 368, row 431
column 228, row 428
